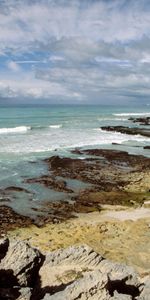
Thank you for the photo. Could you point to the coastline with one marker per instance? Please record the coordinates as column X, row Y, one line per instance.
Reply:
column 125, row 240
column 94, row 216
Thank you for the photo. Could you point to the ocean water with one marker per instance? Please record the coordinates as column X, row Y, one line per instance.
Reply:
column 29, row 134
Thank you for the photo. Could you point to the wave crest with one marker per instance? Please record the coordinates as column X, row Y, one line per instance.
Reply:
column 132, row 114
column 14, row 129
column 55, row 126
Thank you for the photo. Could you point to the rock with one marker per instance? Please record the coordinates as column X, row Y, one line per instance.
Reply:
column 122, row 278
column 118, row 296
column 77, row 151
column 16, row 189
column 19, row 265
column 25, row 294
column 51, row 182
column 92, row 286
column 117, row 271
column 146, row 147
column 10, row 220
column 128, row 130
column 77, row 272
column 83, row 255
column 141, row 120
column 56, row 162
column 69, row 264
column 145, row 294
column 70, row 267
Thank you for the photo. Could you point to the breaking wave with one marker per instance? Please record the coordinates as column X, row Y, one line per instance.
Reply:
column 18, row 129
column 132, row 114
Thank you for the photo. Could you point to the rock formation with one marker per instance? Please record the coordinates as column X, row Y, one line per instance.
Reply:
column 66, row 274
column 128, row 130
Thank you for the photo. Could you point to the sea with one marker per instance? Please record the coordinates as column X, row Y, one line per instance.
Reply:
column 29, row 134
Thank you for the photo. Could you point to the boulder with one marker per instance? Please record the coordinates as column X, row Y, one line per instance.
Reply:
column 20, row 264
column 77, row 272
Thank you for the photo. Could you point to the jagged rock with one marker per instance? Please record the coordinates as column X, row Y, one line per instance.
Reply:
column 92, row 286
column 83, row 255
column 20, row 264
column 66, row 274
column 68, row 265
column 65, row 265
column 120, row 272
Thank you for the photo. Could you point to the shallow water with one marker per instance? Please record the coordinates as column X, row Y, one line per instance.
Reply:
column 30, row 134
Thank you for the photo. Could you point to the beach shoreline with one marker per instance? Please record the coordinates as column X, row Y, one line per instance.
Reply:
column 113, row 219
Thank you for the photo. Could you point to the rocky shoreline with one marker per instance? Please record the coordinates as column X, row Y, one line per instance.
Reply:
column 128, row 130
column 112, row 178
column 77, row 272
column 117, row 184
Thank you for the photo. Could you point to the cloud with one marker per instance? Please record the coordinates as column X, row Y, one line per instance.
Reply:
column 82, row 50
column 13, row 66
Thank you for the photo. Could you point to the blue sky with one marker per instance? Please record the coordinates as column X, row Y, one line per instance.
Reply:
column 75, row 51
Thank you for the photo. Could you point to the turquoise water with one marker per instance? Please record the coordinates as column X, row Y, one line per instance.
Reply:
column 29, row 134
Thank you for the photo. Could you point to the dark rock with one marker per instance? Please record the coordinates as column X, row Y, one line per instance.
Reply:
column 141, row 120
column 16, row 189
column 77, row 151
column 127, row 130
column 52, row 182
column 10, row 220
column 56, row 162
column 117, row 156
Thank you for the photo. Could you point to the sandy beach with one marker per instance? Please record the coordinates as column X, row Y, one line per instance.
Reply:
column 121, row 235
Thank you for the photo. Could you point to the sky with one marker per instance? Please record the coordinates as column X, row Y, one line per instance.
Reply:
column 75, row 51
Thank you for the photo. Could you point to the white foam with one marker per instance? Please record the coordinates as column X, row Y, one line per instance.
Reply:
column 97, row 129
column 55, row 126
column 14, row 129
column 61, row 139
column 112, row 119
column 133, row 114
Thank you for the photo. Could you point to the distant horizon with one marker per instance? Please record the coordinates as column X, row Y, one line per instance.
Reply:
column 29, row 104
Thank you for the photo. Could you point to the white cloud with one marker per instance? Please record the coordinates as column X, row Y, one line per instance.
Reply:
column 87, row 49
column 27, row 24
column 13, row 66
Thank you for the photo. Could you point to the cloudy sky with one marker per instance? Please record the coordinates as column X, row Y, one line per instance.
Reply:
column 75, row 51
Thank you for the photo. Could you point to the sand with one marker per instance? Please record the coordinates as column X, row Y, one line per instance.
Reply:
column 120, row 234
